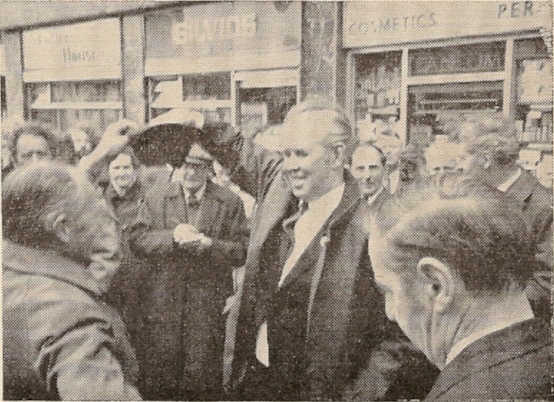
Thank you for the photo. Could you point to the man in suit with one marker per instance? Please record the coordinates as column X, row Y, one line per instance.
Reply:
column 310, row 313
column 193, row 233
column 452, row 262
column 369, row 168
column 490, row 154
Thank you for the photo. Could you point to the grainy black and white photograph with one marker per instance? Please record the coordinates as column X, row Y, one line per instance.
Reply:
column 276, row 200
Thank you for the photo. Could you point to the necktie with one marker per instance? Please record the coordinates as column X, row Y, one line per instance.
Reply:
column 193, row 201
column 290, row 222
column 262, row 345
column 193, row 204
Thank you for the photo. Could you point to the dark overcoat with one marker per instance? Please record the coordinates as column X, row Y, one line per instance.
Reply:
column 130, row 275
column 183, row 295
column 346, row 318
column 513, row 363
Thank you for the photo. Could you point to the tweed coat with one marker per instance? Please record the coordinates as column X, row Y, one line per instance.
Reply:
column 513, row 363
column 183, row 295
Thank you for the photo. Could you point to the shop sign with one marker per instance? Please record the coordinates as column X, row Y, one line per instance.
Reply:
column 212, row 29
column 385, row 23
column 223, row 36
column 59, row 50
column 457, row 59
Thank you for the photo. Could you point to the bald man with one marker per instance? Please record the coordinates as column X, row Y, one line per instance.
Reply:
column 369, row 168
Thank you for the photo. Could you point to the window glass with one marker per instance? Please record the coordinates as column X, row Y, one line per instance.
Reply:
column 213, row 86
column 457, row 59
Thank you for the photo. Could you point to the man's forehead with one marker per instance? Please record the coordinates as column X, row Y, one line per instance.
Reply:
column 366, row 156
column 302, row 140
column 32, row 138
column 122, row 159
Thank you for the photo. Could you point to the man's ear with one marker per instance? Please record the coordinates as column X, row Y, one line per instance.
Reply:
column 58, row 225
column 440, row 282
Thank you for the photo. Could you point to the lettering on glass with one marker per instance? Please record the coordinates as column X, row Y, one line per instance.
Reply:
column 457, row 59
column 209, row 30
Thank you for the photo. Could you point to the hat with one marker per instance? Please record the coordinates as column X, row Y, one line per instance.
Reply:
column 181, row 116
column 168, row 137
column 199, row 156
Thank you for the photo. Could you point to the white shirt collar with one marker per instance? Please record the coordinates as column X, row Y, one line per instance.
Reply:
column 328, row 201
column 511, row 180
column 524, row 313
column 310, row 223
column 373, row 197
column 198, row 194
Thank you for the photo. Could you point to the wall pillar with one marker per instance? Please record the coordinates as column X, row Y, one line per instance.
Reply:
column 134, row 95
column 13, row 71
column 323, row 65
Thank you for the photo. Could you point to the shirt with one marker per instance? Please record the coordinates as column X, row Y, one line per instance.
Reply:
column 305, row 229
column 511, row 180
column 198, row 194
column 309, row 224
column 373, row 197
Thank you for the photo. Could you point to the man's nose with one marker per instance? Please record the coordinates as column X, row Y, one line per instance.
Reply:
column 290, row 163
column 35, row 157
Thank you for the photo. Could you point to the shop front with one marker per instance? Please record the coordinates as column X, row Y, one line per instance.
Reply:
column 72, row 73
column 414, row 67
column 237, row 62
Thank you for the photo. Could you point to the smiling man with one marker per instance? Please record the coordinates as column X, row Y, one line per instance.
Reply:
column 310, row 312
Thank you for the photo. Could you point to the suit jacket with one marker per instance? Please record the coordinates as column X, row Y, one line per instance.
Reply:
column 513, row 363
column 383, row 196
column 347, row 318
column 60, row 339
column 184, row 292
column 536, row 204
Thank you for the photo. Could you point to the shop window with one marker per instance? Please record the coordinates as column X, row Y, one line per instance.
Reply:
column 534, row 91
column 261, row 107
column 62, row 104
column 457, row 59
column 378, row 88
column 209, row 93
column 432, row 107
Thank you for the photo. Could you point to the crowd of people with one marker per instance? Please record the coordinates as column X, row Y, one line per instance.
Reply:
column 364, row 270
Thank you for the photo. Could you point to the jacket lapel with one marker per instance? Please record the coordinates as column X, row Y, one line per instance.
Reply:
column 350, row 199
column 522, row 188
column 174, row 206
column 272, row 210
